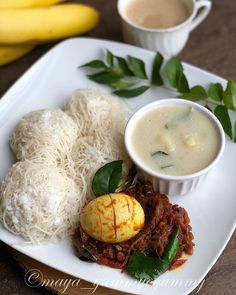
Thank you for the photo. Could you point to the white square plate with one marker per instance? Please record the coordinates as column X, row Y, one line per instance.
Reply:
column 212, row 208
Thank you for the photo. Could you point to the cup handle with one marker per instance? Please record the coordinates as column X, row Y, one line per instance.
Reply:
column 206, row 7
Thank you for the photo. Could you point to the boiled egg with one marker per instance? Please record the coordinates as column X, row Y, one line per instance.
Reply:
column 112, row 218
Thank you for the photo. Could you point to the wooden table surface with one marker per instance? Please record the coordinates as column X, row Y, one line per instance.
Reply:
column 212, row 46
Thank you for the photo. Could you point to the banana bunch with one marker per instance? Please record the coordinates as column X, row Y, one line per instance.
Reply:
column 26, row 23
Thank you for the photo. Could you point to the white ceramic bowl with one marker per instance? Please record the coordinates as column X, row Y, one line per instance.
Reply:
column 168, row 41
column 167, row 184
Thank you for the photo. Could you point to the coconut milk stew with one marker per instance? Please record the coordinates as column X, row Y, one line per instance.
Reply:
column 175, row 140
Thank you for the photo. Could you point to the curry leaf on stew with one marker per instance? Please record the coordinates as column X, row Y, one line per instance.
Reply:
column 160, row 153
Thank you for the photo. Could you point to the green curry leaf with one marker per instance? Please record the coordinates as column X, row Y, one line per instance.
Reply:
column 148, row 268
column 95, row 64
column 182, row 85
column 109, row 58
column 123, row 65
column 229, row 95
column 215, row 91
column 156, row 76
column 137, row 66
column 222, row 114
column 174, row 70
column 106, row 77
column 235, row 131
column 160, row 153
column 128, row 93
column 85, row 255
column 115, row 69
column 196, row 93
column 122, row 85
column 106, row 180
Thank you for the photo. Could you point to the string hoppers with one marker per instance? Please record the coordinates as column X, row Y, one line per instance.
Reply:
column 44, row 135
column 41, row 197
column 101, row 121
column 39, row 202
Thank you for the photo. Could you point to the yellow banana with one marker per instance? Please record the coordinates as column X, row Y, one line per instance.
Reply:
column 26, row 3
column 36, row 25
column 10, row 53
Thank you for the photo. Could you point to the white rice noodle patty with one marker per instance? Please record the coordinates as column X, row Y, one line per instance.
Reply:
column 101, row 121
column 39, row 202
column 44, row 135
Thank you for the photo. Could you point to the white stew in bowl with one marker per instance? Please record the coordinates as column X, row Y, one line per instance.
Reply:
column 175, row 140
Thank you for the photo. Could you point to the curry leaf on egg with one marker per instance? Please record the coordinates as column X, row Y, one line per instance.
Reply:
column 107, row 179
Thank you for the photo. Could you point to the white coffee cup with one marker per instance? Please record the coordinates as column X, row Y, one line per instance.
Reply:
column 168, row 41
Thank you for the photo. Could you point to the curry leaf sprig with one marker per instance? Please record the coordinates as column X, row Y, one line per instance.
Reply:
column 125, row 77
column 128, row 78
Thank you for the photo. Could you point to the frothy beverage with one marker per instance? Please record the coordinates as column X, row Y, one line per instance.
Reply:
column 157, row 14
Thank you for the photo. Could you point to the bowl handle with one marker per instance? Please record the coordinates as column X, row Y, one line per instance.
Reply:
column 205, row 7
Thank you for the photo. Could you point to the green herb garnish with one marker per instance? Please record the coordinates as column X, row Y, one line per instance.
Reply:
column 137, row 66
column 167, row 166
column 126, row 76
column 222, row 114
column 84, row 254
column 157, row 64
column 179, row 118
column 148, row 268
column 106, row 180
column 128, row 93
column 164, row 159
column 159, row 153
